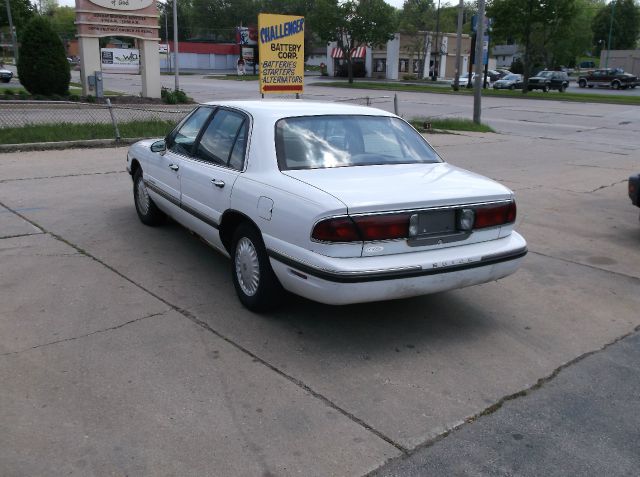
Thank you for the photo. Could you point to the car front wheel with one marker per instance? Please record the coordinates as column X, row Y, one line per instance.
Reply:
column 545, row 88
column 257, row 286
column 615, row 85
column 582, row 83
column 147, row 210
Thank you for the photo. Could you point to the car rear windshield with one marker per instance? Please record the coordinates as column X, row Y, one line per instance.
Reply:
column 318, row 142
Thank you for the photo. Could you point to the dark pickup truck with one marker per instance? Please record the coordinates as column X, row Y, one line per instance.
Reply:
column 614, row 78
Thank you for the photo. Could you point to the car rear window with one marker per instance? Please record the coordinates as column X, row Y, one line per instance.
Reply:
column 318, row 142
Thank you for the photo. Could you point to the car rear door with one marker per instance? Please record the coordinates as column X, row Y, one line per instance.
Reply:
column 208, row 176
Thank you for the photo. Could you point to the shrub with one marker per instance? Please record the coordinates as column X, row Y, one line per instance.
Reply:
column 181, row 96
column 23, row 95
column 9, row 92
column 90, row 99
column 170, row 98
column 74, row 97
column 409, row 77
column 43, row 67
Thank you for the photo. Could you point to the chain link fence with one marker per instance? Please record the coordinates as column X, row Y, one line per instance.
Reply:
column 51, row 121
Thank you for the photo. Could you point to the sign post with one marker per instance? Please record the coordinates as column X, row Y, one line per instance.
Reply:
column 133, row 18
column 281, row 52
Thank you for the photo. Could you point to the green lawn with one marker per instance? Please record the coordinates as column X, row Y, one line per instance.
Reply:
column 550, row 96
column 449, row 124
column 73, row 132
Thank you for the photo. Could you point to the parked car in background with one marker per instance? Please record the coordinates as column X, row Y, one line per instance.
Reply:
column 494, row 75
column 510, row 81
column 614, row 78
column 337, row 203
column 5, row 75
column 503, row 72
column 548, row 80
column 634, row 189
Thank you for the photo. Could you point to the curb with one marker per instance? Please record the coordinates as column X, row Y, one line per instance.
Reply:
column 50, row 146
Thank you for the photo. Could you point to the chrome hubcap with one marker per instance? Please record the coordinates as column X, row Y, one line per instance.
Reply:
column 247, row 266
column 143, row 197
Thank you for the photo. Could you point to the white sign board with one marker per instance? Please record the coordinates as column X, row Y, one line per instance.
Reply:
column 123, row 4
column 120, row 60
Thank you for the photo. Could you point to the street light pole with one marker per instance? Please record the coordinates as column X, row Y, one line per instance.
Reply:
column 456, row 82
column 175, row 44
column 14, row 39
column 477, row 91
column 436, row 46
column 613, row 10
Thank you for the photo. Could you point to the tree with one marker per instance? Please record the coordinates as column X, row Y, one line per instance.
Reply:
column 43, row 67
column 534, row 24
column 352, row 24
column 625, row 27
column 63, row 21
column 21, row 13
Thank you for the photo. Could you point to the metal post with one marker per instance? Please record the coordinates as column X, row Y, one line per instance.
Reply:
column 436, row 47
column 13, row 33
column 166, row 35
column 477, row 91
column 113, row 119
column 175, row 44
column 395, row 104
column 456, row 81
column 613, row 10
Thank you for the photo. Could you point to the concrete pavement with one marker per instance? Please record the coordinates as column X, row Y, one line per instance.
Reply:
column 124, row 349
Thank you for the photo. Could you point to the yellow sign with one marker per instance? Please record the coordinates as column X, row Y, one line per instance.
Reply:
column 281, row 49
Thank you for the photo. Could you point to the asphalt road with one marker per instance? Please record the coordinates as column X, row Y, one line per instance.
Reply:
column 124, row 351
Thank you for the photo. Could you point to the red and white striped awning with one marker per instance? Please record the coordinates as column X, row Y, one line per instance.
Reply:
column 359, row 52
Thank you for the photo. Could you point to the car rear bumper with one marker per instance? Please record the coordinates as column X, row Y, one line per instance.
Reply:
column 341, row 281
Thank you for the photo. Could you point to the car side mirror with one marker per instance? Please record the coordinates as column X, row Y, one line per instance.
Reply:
column 159, row 146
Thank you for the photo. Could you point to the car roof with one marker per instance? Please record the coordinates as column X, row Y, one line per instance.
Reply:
column 278, row 109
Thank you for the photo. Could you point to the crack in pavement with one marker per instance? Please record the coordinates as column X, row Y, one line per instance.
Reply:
column 74, row 338
column 606, row 186
column 593, row 267
column 20, row 235
column 3, row 181
column 510, row 397
column 193, row 318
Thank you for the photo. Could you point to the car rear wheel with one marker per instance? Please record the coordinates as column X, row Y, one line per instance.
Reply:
column 512, row 87
column 147, row 210
column 545, row 88
column 257, row 286
column 582, row 83
column 562, row 88
column 615, row 85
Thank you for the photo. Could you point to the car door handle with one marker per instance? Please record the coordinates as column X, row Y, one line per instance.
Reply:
column 217, row 183
column 174, row 167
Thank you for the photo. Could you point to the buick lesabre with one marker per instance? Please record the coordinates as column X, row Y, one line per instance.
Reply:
column 337, row 203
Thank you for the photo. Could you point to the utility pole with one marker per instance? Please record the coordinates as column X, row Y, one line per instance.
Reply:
column 613, row 10
column 477, row 90
column 456, row 81
column 14, row 39
column 175, row 44
column 436, row 47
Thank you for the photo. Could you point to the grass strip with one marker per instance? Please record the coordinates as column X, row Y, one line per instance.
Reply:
column 234, row 77
column 550, row 96
column 449, row 124
column 74, row 132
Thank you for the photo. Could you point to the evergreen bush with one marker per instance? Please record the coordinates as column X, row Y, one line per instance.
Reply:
column 43, row 67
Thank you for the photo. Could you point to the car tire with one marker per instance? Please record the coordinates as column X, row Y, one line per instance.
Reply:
column 512, row 87
column 545, row 88
column 562, row 88
column 582, row 83
column 530, row 88
column 6, row 80
column 256, row 284
column 615, row 85
column 147, row 210
column 590, row 86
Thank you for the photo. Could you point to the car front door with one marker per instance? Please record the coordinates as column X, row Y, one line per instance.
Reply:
column 162, row 172
column 208, row 176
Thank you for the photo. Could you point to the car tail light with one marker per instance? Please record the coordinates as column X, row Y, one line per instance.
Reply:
column 495, row 215
column 339, row 229
column 383, row 227
column 362, row 228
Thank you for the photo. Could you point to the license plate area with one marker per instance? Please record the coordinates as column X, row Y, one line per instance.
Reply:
column 434, row 227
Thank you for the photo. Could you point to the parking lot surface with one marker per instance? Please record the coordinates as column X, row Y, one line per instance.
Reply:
column 124, row 351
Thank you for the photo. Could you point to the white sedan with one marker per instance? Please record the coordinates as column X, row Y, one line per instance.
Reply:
column 337, row 203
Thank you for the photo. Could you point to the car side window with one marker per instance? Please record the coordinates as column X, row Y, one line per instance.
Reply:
column 223, row 140
column 184, row 139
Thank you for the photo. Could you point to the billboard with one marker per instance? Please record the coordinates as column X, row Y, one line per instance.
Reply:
column 281, row 53
column 120, row 60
